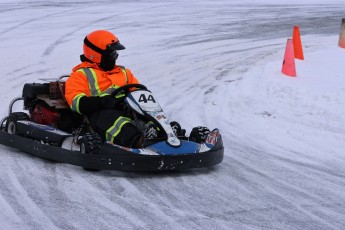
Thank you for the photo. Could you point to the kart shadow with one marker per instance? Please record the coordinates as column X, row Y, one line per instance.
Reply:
column 157, row 174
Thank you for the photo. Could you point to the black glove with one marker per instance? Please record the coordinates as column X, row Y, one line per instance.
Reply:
column 89, row 105
column 109, row 102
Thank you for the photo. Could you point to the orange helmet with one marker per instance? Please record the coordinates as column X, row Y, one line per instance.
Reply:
column 101, row 42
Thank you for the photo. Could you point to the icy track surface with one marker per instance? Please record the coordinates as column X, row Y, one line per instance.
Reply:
column 212, row 63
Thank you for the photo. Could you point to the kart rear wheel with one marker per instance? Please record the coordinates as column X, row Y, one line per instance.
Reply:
column 11, row 123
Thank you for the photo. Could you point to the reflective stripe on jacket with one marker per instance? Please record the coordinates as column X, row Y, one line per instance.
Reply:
column 116, row 128
column 87, row 79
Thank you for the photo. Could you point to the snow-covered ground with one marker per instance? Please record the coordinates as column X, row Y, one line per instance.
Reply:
column 214, row 63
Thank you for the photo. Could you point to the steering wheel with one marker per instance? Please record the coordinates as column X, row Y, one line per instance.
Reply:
column 126, row 89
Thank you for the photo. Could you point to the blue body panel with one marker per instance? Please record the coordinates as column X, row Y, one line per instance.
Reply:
column 186, row 147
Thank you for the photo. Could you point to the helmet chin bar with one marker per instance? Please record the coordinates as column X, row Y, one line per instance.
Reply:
column 108, row 63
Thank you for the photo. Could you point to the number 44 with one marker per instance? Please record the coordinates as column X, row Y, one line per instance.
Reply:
column 143, row 98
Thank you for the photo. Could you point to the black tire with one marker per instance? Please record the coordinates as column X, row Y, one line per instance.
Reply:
column 199, row 134
column 178, row 131
column 91, row 144
column 176, row 127
column 11, row 123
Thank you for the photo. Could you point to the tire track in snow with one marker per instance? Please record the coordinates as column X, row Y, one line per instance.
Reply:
column 281, row 204
column 32, row 207
column 128, row 208
column 277, row 187
column 245, row 161
column 240, row 172
column 26, row 208
column 35, row 19
column 61, row 40
column 41, row 70
column 138, row 204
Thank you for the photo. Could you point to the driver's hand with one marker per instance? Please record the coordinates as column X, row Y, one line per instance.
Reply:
column 109, row 102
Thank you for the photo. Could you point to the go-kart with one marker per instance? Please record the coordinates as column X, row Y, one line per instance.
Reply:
column 67, row 137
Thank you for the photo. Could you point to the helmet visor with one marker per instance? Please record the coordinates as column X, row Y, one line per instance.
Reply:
column 116, row 46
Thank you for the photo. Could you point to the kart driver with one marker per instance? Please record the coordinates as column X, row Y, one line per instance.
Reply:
column 90, row 84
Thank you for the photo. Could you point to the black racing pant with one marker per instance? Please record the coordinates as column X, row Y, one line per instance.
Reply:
column 115, row 126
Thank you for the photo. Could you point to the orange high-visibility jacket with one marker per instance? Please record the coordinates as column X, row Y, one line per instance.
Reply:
column 87, row 79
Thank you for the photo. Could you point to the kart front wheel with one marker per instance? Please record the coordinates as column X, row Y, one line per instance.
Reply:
column 91, row 144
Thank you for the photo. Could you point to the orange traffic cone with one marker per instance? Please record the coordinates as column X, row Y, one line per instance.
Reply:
column 289, row 67
column 297, row 44
column 342, row 34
